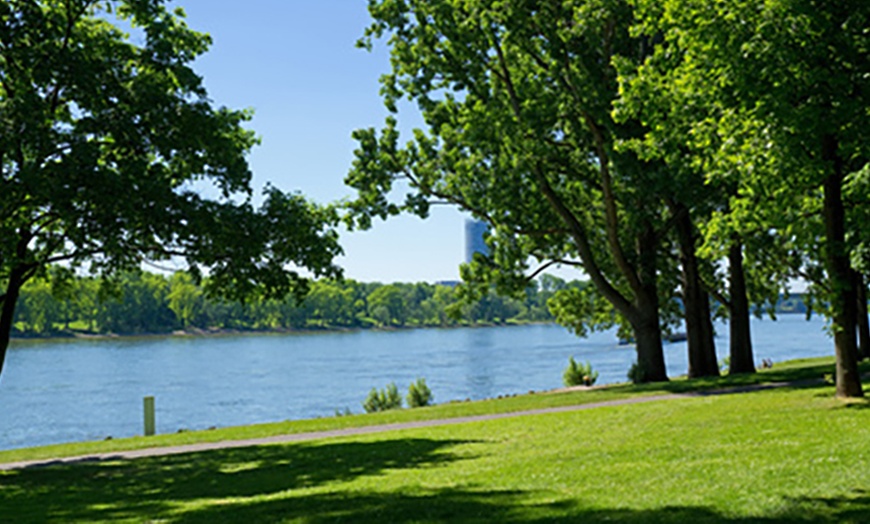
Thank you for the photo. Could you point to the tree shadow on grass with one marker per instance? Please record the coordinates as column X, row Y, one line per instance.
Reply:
column 147, row 488
column 805, row 377
column 302, row 482
column 507, row 507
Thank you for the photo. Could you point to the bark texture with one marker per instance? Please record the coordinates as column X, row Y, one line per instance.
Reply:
column 740, row 350
column 696, row 301
column 844, row 300
column 863, row 320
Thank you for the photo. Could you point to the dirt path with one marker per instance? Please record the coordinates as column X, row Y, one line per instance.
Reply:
column 367, row 430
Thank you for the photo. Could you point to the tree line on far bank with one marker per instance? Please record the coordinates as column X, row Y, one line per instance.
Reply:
column 139, row 302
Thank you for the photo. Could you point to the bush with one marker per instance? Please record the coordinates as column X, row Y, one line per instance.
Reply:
column 345, row 413
column 637, row 374
column 579, row 374
column 383, row 400
column 419, row 394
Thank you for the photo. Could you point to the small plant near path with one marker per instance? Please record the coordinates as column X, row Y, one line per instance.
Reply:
column 579, row 374
column 419, row 394
column 383, row 400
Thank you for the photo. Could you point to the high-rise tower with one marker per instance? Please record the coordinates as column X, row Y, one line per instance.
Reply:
column 474, row 232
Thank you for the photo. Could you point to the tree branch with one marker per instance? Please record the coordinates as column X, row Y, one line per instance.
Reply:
column 610, row 212
column 586, row 253
column 550, row 264
column 577, row 231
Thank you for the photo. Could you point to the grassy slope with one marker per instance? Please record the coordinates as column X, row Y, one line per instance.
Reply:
column 794, row 370
column 791, row 455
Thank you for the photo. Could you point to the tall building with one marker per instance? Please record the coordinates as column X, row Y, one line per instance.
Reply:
column 474, row 232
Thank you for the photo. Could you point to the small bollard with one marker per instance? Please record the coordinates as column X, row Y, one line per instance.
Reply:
column 149, row 416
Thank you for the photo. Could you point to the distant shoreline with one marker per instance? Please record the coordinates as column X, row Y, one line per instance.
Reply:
column 219, row 332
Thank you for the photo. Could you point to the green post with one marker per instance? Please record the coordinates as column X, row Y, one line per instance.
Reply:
column 149, row 416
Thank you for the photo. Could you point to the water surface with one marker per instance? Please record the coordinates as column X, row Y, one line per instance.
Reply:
column 74, row 390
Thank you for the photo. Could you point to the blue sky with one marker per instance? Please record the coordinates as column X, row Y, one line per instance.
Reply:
column 295, row 64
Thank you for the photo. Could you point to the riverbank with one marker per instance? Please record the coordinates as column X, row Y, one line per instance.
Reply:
column 789, row 454
column 70, row 334
column 803, row 372
column 365, row 429
column 76, row 390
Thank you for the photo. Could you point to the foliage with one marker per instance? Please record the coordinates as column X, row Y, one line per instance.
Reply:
column 141, row 302
column 636, row 373
column 104, row 140
column 770, row 101
column 388, row 305
column 383, row 400
column 579, row 374
column 516, row 100
column 419, row 394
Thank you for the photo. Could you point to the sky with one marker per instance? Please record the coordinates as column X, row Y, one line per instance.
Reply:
column 294, row 62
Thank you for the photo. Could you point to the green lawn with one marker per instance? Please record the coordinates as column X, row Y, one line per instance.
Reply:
column 785, row 455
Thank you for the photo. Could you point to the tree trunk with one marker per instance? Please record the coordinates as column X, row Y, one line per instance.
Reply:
column 696, row 301
column 7, row 312
column 740, row 351
column 646, row 325
column 863, row 321
column 844, row 300
column 650, row 353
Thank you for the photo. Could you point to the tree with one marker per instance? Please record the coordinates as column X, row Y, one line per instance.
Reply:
column 185, row 298
column 138, row 303
column 39, row 309
column 101, row 141
column 517, row 100
column 388, row 305
column 790, row 81
column 676, row 112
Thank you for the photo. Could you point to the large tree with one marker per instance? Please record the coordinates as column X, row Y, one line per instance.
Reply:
column 517, row 100
column 790, row 80
column 106, row 140
column 677, row 106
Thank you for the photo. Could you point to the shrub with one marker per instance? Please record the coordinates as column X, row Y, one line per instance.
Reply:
column 419, row 394
column 345, row 413
column 637, row 374
column 383, row 400
column 579, row 374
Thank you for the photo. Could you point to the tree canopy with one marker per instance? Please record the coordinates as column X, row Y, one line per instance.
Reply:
column 645, row 142
column 771, row 99
column 517, row 104
column 107, row 136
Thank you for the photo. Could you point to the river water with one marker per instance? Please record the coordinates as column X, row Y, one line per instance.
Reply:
column 75, row 390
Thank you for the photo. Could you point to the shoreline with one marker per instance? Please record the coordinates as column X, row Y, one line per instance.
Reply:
column 68, row 335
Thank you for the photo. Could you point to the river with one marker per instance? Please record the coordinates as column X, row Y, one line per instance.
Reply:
column 75, row 390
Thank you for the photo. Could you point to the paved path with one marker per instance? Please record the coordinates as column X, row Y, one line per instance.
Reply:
column 367, row 430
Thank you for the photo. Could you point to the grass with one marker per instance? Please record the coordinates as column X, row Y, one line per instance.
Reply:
column 787, row 455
